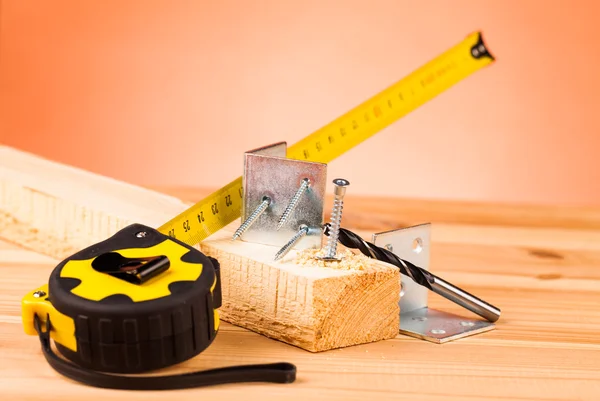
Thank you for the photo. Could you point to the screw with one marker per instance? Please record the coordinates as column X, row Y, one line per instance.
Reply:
column 438, row 331
column 336, row 218
column 266, row 201
column 420, row 318
column 302, row 231
column 39, row 294
column 467, row 324
column 293, row 202
column 141, row 234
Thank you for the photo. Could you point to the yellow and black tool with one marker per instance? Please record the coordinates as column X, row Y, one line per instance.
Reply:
column 136, row 302
column 145, row 299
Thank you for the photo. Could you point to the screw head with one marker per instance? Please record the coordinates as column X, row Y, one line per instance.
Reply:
column 141, row 234
column 340, row 185
column 438, row 331
column 340, row 182
column 467, row 324
column 39, row 294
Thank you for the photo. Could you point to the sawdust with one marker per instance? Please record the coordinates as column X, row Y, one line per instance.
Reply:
column 349, row 260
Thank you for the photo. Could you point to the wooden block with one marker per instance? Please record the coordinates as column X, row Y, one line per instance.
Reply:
column 315, row 308
column 57, row 210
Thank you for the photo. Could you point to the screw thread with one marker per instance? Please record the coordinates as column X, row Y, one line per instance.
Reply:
column 290, row 244
column 335, row 223
column 252, row 218
column 293, row 202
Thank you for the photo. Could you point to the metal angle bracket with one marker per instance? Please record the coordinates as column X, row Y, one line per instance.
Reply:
column 416, row 318
column 268, row 173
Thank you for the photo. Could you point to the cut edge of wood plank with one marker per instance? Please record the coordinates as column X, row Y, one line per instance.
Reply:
column 56, row 210
column 312, row 307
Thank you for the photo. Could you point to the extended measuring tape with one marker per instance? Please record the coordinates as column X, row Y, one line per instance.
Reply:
column 146, row 299
column 224, row 206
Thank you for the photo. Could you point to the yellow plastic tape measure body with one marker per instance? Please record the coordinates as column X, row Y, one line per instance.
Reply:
column 224, row 206
column 107, row 319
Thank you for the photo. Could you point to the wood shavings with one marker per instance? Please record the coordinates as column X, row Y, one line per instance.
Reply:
column 349, row 260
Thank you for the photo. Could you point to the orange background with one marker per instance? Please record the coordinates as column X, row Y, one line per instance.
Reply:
column 173, row 92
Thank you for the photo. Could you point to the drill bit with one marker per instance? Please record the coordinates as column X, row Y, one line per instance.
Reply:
column 418, row 275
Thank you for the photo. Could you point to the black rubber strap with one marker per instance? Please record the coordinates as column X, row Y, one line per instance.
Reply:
column 273, row 373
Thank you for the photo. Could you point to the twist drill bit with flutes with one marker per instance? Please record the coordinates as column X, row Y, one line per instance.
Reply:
column 420, row 276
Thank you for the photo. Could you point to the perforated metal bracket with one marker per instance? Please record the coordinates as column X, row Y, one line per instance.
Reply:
column 267, row 172
column 416, row 318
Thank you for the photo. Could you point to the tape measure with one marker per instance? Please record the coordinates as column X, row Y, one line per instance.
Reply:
column 145, row 299
column 224, row 206
column 136, row 302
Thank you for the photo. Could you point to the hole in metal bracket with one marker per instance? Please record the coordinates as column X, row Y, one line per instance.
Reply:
column 417, row 245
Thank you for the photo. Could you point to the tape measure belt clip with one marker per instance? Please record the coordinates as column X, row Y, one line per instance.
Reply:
column 134, row 270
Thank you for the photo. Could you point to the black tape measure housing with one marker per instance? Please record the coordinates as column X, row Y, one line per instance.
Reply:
column 118, row 335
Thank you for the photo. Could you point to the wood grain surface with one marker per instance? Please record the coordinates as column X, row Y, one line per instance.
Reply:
column 305, row 304
column 541, row 266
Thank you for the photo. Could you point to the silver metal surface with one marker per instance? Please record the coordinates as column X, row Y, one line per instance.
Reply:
column 302, row 231
column 464, row 299
column 339, row 190
column 141, row 234
column 304, row 185
column 278, row 149
column 401, row 243
column 260, row 209
column 39, row 294
column 416, row 319
column 440, row 327
column 267, row 172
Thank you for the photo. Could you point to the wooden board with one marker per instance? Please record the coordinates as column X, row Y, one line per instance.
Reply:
column 58, row 210
column 544, row 274
column 312, row 307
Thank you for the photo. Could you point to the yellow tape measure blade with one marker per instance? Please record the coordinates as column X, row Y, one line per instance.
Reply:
column 207, row 216
column 224, row 206
column 395, row 102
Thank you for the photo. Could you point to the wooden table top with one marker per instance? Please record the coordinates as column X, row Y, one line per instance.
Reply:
column 540, row 265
